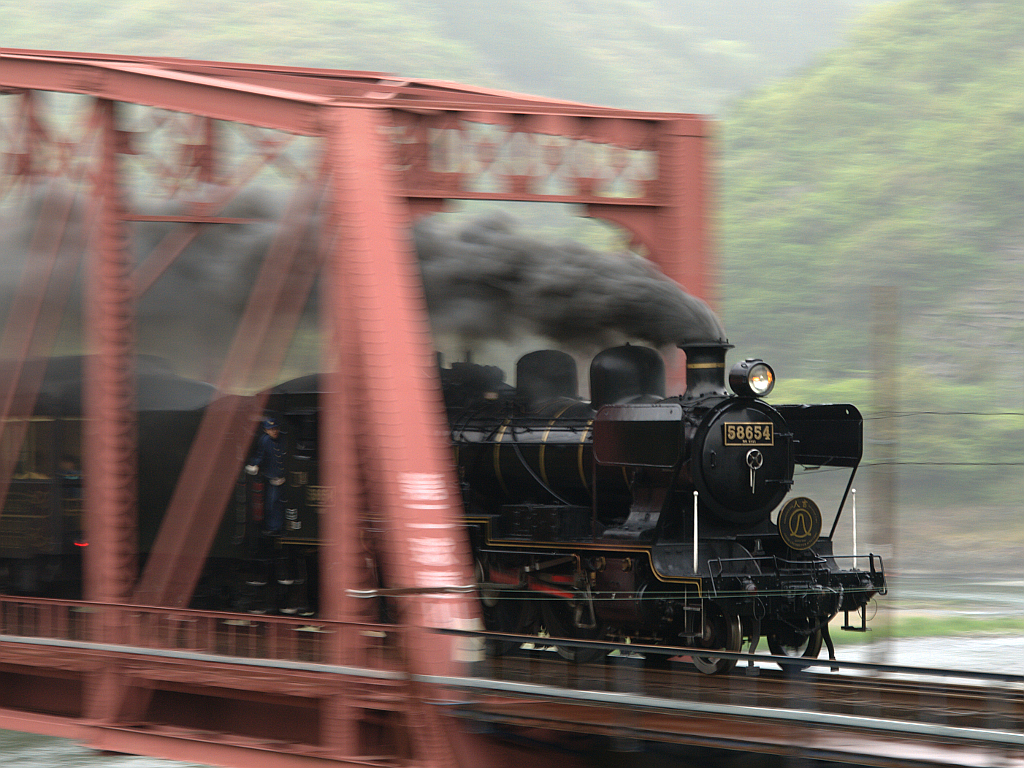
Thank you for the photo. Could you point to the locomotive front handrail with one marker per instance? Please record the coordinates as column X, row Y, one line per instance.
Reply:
column 783, row 565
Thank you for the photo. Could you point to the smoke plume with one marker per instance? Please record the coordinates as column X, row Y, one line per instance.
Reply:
column 484, row 281
column 487, row 281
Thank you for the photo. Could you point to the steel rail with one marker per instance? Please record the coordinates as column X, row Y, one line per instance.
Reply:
column 802, row 716
column 163, row 653
column 797, row 662
column 589, row 696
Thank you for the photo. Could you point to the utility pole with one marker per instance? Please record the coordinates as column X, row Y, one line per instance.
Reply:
column 883, row 436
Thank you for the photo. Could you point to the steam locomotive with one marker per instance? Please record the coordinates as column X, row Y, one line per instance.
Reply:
column 629, row 516
column 641, row 517
column 662, row 520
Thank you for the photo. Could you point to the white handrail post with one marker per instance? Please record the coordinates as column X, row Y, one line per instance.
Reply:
column 695, row 532
column 854, row 492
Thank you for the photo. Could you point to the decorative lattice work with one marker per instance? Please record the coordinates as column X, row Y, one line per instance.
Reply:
column 524, row 158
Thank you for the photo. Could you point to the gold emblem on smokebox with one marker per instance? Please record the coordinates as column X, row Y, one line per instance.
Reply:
column 800, row 523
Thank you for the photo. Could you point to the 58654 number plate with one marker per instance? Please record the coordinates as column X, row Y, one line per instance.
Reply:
column 748, row 433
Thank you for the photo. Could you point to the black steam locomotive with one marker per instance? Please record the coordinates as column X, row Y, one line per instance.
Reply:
column 632, row 516
column 644, row 517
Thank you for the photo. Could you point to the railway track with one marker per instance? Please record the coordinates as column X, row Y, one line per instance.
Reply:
column 960, row 699
column 863, row 714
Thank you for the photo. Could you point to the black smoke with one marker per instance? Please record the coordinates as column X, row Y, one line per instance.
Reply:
column 485, row 280
column 189, row 315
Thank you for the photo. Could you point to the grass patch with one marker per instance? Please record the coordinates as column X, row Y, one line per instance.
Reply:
column 917, row 625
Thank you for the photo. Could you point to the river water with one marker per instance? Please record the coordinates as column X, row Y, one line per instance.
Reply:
column 29, row 751
column 986, row 653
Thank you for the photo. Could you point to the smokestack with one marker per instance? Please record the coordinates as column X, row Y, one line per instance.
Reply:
column 705, row 369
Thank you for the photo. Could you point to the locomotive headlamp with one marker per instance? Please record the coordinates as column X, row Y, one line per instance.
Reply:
column 752, row 378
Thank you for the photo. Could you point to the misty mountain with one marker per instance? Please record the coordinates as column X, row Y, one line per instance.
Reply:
column 897, row 161
column 692, row 56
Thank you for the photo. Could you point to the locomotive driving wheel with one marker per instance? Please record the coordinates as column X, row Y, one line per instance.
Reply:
column 787, row 641
column 504, row 611
column 569, row 619
column 722, row 631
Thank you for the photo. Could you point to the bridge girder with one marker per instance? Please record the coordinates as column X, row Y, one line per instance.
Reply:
column 361, row 154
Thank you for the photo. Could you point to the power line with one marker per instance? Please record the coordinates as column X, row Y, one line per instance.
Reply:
column 906, row 414
column 943, row 463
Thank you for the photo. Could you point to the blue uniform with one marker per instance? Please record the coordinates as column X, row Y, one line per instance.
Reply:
column 269, row 457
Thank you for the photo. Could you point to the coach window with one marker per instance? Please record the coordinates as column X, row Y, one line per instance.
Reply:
column 34, row 457
column 306, row 437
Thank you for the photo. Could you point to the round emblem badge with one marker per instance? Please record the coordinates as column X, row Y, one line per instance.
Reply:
column 800, row 523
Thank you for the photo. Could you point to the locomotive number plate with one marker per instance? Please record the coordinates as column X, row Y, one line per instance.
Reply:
column 749, row 433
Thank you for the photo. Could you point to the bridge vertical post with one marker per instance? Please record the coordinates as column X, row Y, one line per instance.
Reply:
column 681, row 240
column 884, row 434
column 340, row 561
column 110, row 422
column 109, row 394
column 392, row 412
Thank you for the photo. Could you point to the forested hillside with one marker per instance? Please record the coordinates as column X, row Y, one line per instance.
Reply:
column 691, row 56
column 898, row 161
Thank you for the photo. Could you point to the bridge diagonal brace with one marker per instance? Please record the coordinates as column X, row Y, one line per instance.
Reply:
column 217, row 453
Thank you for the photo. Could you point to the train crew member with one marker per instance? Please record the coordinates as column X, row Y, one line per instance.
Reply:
column 269, row 459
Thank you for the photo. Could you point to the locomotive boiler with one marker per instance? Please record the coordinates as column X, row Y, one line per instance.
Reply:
column 647, row 518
